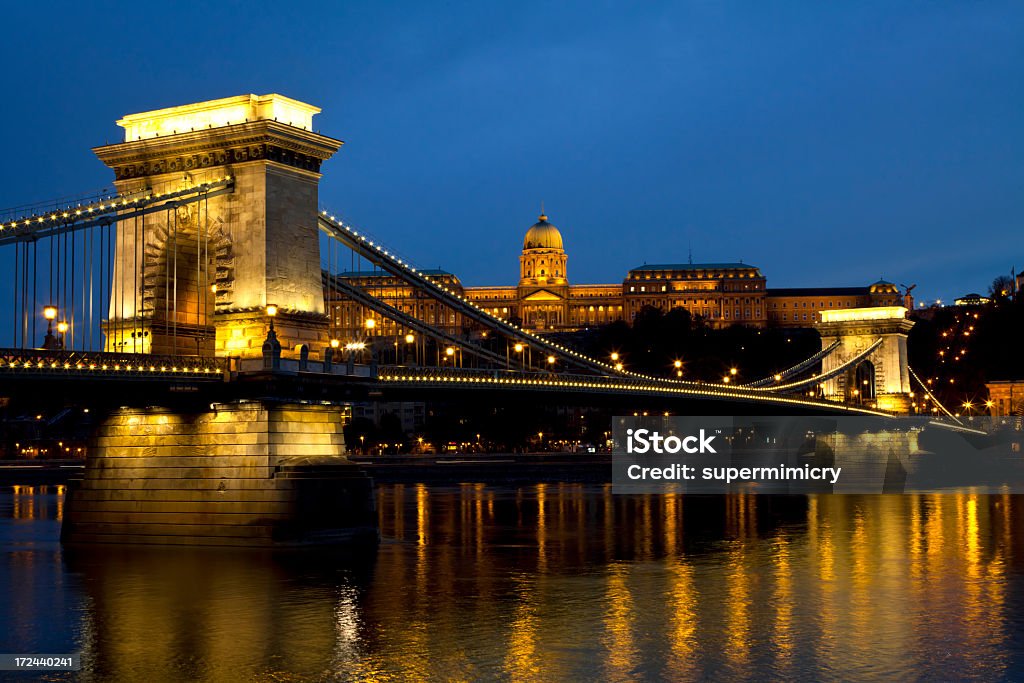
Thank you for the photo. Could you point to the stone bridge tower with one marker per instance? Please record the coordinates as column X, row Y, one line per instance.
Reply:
column 197, row 279
column 883, row 378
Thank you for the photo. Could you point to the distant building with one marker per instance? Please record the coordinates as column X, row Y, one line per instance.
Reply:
column 972, row 299
column 721, row 294
column 801, row 307
column 349, row 320
column 1007, row 397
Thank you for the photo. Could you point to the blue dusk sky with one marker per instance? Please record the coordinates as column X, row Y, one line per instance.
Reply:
column 828, row 143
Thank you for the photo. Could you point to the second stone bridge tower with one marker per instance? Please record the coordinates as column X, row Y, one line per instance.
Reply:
column 197, row 278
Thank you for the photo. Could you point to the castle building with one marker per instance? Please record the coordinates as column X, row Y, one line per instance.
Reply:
column 802, row 306
column 544, row 300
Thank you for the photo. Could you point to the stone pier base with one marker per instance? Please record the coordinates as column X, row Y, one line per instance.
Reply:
column 249, row 474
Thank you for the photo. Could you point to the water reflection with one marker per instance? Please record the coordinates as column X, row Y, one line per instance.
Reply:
column 546, row 582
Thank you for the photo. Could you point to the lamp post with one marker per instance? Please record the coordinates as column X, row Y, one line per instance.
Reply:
column 62, row 328
column 271, row 346
column 329, row 352
column 410, row 340
column 49, row 341
column 519, row 348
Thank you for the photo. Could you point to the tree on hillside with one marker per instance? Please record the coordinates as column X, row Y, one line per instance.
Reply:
column 1001, row 287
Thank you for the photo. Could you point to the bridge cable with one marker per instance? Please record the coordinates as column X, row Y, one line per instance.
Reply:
column 24, row 297
column 825, row 376
column 368, row 301
column 71, row 272
column 174, row 319
column 794, row 370
column 932, row 396
column 35, row 278
column 14, row 296
column 92, row 253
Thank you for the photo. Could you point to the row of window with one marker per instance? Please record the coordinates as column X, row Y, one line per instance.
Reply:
column 691, row 275
column 821, row 304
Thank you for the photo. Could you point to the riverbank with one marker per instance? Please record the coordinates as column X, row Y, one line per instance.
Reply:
column 489, row 468
column 38, row 472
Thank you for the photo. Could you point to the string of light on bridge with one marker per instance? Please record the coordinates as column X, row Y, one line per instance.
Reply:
column 610, row 384
column 119, row 203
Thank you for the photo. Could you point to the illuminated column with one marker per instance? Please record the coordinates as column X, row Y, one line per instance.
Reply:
column 885, row 369
column 197, row 278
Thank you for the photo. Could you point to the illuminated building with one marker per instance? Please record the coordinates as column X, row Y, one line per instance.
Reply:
column 1006, row 397
column 348, row 319
column 972, row 299
column 721, row 294
column 802, row 306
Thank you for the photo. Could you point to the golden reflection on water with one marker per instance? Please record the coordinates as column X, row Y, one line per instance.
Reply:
column 622, row 655
column 522, row 660
column 554, row 582
column 681, row 661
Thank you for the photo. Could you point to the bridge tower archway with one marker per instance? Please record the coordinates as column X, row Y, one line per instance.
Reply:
column 883, row 378
column 269, row 221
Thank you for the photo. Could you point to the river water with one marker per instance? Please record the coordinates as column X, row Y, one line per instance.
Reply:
column 544, row 582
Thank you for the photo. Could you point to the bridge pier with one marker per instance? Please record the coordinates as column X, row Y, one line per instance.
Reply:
column 244, row 474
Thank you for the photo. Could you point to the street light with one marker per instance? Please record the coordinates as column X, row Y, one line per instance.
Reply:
column 271, row 313
column 677, row 364
column 551, row 360
column 615, row 356
column 518, row 347
column 335, row 343
column 618, row 366
column 49, row 341
column 410, row 338
column 62, row 328
column 733, row 371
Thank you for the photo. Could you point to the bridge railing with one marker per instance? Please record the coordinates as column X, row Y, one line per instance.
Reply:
column 42, row 362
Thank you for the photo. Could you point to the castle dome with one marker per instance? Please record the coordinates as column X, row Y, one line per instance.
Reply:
column 542, row 235
column 883, row 287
